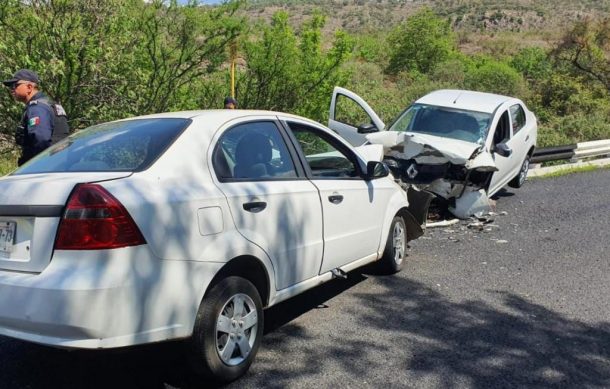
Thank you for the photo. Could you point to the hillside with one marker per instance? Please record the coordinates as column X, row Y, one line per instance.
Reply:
column 481, row 25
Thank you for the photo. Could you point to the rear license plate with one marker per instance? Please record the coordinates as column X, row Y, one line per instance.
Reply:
column 7, row 236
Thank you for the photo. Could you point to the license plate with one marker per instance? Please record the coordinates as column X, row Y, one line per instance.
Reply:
column 7, row 236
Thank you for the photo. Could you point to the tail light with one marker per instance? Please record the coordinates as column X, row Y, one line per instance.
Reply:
column 94, row 220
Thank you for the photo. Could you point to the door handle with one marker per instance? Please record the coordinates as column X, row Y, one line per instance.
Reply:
column 254, row 206
column 527, row 138
column 335, row 199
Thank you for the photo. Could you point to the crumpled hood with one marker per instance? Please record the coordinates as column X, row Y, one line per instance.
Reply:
column 424, row 148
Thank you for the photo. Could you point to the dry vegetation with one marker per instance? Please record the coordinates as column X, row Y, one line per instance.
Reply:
column 483, row 26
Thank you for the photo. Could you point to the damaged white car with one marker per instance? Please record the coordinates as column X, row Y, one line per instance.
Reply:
column 463, row 146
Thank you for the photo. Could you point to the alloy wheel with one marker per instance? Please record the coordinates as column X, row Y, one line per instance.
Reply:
column 524, row 169
column 398, row 243
column 236, row 329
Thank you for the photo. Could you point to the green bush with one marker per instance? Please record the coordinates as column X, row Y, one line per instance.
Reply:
column 420, row 43
column 496, row 77
column 573, row 129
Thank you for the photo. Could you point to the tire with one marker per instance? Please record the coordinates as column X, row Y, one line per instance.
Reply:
column 395, row 251
column 225, row 341
column 519, row 179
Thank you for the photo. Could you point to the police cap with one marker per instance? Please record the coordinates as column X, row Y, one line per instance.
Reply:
column 23, row 75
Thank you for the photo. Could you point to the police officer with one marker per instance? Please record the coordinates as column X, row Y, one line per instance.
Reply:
column 43, row 123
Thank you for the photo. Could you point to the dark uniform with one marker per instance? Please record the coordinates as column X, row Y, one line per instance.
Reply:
column 35, row 130
column 43, row 122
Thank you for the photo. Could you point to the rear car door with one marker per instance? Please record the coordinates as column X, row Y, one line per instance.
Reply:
column 348, row 112
column 272, row 204
column 353, row 207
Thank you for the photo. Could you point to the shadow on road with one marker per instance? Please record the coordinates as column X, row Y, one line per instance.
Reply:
column 502, row 193
column 518, row 344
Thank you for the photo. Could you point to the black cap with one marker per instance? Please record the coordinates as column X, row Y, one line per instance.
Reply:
column 23, row 75
column 230, row 100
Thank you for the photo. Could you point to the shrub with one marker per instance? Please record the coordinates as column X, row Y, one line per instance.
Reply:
column 420, row 43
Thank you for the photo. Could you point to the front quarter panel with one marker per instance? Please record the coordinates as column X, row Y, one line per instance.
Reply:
column 397, row 201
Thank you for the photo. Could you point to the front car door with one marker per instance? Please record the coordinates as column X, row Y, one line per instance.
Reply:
column 353, row 208
column 501, row 134
column 520, row 136
column 272, row 204
column 348, row 111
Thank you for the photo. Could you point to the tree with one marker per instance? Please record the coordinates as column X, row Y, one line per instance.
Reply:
column 420, row 43
column 289, row 72
column 107, row 59
column 586, row 48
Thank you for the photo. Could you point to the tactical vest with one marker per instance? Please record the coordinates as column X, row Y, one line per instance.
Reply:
column 60, row 120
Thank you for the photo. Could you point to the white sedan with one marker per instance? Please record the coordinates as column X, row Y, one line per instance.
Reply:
column 463, row 146
column 187, row 225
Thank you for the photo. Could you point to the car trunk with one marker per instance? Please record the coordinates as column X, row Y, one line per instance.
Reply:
column 31, row 207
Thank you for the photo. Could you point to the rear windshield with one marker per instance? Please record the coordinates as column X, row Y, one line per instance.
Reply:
column 130, row 145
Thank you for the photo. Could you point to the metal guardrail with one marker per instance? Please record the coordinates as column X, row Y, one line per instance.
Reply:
column 593, row 149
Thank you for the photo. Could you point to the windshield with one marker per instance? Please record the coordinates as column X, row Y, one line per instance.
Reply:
column 469, row 126
column 130, row 145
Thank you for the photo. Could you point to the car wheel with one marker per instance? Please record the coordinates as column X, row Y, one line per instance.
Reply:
column 228, row 330
column 395, row 248
column 519, row 179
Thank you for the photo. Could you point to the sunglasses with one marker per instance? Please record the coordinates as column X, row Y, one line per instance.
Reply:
column 16, row 85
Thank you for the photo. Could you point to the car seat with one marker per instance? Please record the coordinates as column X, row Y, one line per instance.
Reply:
column 252, row 156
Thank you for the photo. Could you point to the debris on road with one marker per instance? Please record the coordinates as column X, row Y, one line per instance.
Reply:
column 442, row 223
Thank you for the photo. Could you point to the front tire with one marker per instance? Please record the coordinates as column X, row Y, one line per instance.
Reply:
column 519, row 180
column 395, row 251
column 228, row 330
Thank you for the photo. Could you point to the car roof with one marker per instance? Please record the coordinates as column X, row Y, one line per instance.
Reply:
column 465, row 99
column 215, row 114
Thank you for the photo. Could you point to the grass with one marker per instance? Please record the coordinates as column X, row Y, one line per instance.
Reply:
column 7, row 165
column 571, row 170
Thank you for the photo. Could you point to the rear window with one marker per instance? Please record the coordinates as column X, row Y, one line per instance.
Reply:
column 130, row 145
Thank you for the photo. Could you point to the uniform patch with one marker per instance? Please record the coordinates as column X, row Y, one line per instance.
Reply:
column 34, row 121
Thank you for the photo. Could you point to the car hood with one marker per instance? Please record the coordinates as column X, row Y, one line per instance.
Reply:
column 424, row 148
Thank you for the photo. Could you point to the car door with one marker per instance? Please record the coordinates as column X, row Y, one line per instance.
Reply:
column 348, row 112
column 520, row 137
column 353, row 207
column 505, row 165
column 272, row 204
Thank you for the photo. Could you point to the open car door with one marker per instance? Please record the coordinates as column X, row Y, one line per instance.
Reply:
column 351, row 117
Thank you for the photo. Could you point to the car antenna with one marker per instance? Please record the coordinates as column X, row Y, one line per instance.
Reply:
column 457, row 97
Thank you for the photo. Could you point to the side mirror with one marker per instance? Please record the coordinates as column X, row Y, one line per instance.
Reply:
column 367, row 128
column 503, row 150
column 376, row 169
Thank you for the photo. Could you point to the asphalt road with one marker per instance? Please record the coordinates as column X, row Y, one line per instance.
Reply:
column 526, row 304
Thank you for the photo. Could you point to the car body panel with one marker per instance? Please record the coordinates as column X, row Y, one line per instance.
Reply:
column 194, row 227
column 27, row 201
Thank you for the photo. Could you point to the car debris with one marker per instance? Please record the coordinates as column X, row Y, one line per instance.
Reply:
column 442, row 223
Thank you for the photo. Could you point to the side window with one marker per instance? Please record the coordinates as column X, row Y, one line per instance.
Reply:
column 326, row 157
column 517, row 116
column 253, row 150
column 502, row 133
column 349, row 112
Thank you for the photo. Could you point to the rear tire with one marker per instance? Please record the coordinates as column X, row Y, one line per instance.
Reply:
column 228, row 330
column 395, row 252
column 519, row 179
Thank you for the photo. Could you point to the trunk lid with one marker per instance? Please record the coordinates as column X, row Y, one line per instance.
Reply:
column 31, row 207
